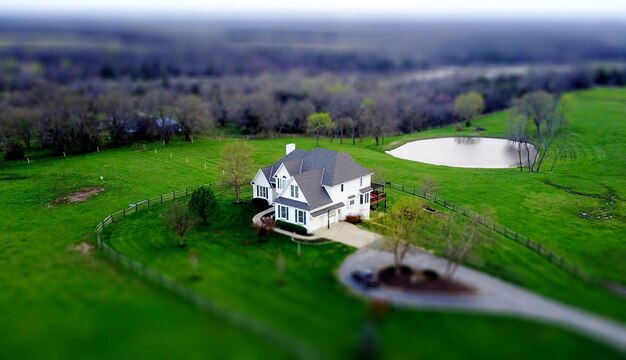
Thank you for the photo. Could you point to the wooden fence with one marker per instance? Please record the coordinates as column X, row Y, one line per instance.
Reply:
column 300, row 350
column 538, row 248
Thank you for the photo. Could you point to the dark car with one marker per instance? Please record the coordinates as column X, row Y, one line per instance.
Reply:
column 365, row 278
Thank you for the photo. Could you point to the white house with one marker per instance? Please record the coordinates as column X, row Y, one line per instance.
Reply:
column 314, row 188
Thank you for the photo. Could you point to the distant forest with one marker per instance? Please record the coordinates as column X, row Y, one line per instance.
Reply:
column 77, row 85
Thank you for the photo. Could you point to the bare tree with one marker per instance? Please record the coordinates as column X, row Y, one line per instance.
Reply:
column 159, row 104
column 459, row 246
column 236, row 165
column 180, row 220
column 547, row 114
column 193, row 114
column 429, row 185
column 403, row 219
column 119, row 110
column 294, row 114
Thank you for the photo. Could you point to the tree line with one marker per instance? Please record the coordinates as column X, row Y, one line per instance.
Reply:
column 90, row 114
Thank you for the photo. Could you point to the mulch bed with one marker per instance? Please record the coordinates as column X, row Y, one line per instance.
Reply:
column 422, row 281
column 78, row 196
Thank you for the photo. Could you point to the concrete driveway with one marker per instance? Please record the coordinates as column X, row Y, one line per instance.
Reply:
column 348, row 234
column 494, row 295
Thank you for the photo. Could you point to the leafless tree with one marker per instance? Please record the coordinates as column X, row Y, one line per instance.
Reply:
column 459, row 246
column 236, row 165
column 159, row 104
column 193, row 114
column 119, row 110
column 180, row 220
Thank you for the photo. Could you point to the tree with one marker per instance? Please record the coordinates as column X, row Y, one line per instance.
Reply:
column 193, row 114
column 547, row 115
column 429, row 185
column 459, row 246
column 159, row 104
column 203, row 203
column 294, row 115
column 469, row 105
column 236, row 165
column 180, row 219
column 404, row 219
column 118, row 108
column 318, row 124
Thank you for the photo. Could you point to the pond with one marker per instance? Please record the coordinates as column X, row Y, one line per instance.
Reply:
column 466, row 152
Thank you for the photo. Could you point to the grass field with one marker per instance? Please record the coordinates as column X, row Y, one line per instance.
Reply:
column 82, row 305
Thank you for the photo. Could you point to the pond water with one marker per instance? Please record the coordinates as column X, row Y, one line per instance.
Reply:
column 467, row 152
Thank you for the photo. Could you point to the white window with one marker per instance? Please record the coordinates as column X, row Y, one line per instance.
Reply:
column 283, row 212
column 351, row 202
column 294, row 191
column 301, row 217
column 341, row 187
column 361, row 180
column 282, row 183
column 367, row 198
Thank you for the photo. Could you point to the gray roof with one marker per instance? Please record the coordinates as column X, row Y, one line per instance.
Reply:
column 310, row 185
column 366, row 190
column 312, row 169
column 293, row 203
column 327, row 209
column 338, row 167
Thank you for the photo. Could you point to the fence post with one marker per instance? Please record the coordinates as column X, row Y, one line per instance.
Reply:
column 174, row 194
column 136, row 207
column 124, row 211
column 161, row 198
column 112, row 221
column 148, row 202
column 186, row 192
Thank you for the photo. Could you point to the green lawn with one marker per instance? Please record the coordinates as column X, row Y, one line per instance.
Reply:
column 84, row 306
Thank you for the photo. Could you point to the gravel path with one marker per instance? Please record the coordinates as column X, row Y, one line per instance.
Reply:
column 494, row 296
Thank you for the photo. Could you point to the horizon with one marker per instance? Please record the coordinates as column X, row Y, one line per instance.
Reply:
column 393, row 10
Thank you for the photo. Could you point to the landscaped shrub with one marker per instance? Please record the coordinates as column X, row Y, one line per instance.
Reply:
column 291, row 227
column 13, row 151
column 203, row 203
column 263, row 227
column 458, row 127
column 354, row 219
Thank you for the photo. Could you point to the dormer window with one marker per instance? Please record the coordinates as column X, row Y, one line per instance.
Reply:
column 342, row 187
column 295, row 191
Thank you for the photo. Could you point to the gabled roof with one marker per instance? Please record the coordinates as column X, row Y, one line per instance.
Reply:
column 311, row 187
column 338, row 167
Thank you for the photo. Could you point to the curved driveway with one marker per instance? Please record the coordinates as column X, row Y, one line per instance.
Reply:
column 494, row 296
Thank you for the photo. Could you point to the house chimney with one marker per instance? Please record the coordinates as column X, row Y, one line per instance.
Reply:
column 289, row 148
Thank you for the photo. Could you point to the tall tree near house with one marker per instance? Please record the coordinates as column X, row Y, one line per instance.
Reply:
column 469, row 105
column 344, row 125
column 193, row 115
column 118, row 108
column 318, row 124
column 180, row 219
column 236, row 165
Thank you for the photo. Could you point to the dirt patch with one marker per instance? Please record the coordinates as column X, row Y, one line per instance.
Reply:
column 78, row 196
column 83, row 248
column 426, row 281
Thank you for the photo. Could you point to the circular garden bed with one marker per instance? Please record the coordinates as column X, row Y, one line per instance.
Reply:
column 426, row 281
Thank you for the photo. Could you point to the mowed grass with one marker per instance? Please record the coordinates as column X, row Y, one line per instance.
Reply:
column 239, row 271
column 81, row 305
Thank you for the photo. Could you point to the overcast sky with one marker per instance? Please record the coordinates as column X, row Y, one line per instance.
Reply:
column 562, row 9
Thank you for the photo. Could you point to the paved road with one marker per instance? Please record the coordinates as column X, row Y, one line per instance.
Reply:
column 494, row 296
